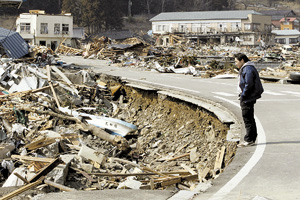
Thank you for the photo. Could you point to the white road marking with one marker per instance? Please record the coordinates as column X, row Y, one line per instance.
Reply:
column 261, row 139
column 291, row 92
column 273, row 93
column 225, row 94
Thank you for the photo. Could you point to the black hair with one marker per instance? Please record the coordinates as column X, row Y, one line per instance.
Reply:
column 241, row 56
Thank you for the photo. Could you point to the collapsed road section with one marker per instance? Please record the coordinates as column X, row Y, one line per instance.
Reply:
column 80, row 130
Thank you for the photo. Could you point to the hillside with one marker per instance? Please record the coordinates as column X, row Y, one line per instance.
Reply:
column 140, row 23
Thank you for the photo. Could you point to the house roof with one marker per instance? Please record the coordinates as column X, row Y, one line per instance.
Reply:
column 286, row 32
column 278, row 14
column 12, row 42
column 229, row 14
column 291, row 19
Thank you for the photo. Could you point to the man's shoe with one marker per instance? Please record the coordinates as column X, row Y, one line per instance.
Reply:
column 245, row 144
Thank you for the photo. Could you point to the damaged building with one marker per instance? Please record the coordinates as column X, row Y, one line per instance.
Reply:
column 245, row 27
column 38, row 28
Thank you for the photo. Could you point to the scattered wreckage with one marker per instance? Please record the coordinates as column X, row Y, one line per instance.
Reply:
column 183, row 57
column 59, row 126
column 60, row 132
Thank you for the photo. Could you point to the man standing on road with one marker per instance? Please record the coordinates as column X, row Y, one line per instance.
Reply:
column 250, row 89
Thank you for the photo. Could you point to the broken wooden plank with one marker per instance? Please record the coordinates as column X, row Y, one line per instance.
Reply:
column 203, row 174
column 220, row 158
column 23, row 189
column 139, row 174
column 59, row 186
column 21, row 177
column 170, row 181
column 40, row 143
column 184, row 166
column 51, row 86
column 47, row 141
column 27, row 91
column 46, row 170
column 30, row 158
column 65, row 78
column 181, row 156
column 138, row 166
column 84, row 174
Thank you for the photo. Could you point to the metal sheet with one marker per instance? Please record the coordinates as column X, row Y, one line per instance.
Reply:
column 13, row 43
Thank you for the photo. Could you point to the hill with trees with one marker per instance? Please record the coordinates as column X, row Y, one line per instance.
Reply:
column 102, row 15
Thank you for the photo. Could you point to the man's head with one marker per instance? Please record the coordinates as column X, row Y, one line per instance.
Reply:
column 240, row 59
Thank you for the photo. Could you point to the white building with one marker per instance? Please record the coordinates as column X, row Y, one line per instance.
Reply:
column 289, row 37
column 38, row 28
column 215, row 26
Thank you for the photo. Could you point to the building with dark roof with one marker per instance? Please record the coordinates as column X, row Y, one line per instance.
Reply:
column 277, row 15
column 247, row 27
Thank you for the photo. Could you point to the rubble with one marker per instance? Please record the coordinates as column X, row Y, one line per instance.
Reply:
column 67, row 128
column 99, row 133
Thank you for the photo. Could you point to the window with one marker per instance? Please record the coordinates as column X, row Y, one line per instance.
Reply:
column 235, row 26
column 196, row 28
column 286, row 22
column 182, row 28
column 247, row 27
column 280, row 40
column 293, row 40
column 56, row 29
column 247, row 38
column 165, row 27
column 44, row 28
column 65, row 29
column 25, row 28
column 268, row 28
column 43, row 43
column 256, row 27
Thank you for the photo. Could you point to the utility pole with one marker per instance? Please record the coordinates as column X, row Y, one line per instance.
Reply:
column 129, row 8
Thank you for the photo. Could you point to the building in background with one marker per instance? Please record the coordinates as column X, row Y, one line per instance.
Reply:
column 289, row 23
column 277, row 15
column 247, row 27
column 38, row 28
column 287, row 37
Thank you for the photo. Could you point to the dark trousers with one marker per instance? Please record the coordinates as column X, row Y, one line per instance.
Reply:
column 249, row 121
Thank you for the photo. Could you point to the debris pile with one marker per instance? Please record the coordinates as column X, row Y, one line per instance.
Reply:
column 67, row 130
column 186, row 57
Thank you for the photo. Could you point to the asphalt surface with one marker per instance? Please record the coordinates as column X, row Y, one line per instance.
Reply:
column 268, row 170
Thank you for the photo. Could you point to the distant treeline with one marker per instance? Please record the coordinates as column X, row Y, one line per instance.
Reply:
column 101, row 15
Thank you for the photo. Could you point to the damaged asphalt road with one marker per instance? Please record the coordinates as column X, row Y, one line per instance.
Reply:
column 273, row 175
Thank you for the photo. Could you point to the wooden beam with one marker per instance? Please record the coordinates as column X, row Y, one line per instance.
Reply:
column 59, row 186
column 21, row 177
column 27, row 91
column 139, row 174
column 46, row 170
column 29, row 158
column 219, row 158
column 51, row 86
column 23, row 189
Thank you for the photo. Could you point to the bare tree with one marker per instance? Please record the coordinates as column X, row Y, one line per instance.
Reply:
column 148, row 4
column 232, row 4
column 129, row 8
column 246, row 3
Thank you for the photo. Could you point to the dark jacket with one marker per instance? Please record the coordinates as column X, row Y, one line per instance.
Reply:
column 249, row 83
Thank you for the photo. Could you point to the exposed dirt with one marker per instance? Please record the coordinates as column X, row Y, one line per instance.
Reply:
column 166, row 125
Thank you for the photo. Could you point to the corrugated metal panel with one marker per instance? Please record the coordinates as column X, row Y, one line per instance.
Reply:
column 231, row 14
column 14, row 45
